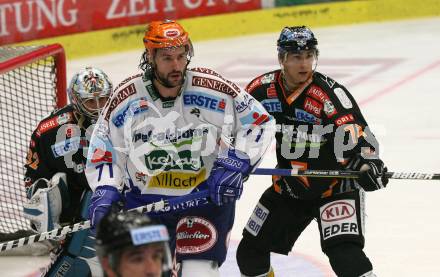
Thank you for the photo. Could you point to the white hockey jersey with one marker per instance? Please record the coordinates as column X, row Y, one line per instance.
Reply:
column 157, row 148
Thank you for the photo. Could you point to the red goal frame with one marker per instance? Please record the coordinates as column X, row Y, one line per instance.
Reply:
column 55, row 50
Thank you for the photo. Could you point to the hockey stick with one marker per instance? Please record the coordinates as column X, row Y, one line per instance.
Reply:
column 343, row 174
column 163, row 206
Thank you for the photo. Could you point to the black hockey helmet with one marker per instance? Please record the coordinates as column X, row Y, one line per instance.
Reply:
column 117, row 232
column 294, row 39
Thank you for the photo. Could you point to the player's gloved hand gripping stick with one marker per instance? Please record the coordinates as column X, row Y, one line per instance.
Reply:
column 163, row 206
column 166, row 206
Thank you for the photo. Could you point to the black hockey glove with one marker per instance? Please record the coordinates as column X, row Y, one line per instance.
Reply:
column 373, row 172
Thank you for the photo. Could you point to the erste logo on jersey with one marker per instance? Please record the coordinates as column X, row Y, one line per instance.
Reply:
column 303, row 116
column 67, row 146
column 272, row 105
column 271, row 91
column 205, row 101
column 133, row 108
column 338, row 218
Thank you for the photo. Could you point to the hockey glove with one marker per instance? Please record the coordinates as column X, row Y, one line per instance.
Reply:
column 227, row 176
column 47, row 199
column 100, row 204
column 372, row 172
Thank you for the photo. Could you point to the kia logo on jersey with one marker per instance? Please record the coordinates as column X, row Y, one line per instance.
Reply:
column 338, row 218
column 337, row 211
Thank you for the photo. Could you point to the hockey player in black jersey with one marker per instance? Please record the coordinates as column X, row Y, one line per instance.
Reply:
column 320, row 126
column 55, row 182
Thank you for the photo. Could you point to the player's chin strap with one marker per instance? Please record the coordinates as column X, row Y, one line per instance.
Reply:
column 164, row 206
column 343, row 174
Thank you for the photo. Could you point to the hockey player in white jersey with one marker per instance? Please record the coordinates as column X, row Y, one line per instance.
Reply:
column 172, row 131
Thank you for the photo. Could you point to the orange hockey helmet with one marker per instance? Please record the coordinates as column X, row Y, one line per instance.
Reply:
column 166, row 34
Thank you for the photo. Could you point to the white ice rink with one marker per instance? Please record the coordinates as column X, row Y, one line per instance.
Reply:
column 393, row 70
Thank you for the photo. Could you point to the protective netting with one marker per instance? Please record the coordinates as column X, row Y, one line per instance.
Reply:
column 27, row 94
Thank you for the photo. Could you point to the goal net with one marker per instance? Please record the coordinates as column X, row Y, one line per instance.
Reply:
column 32, row 84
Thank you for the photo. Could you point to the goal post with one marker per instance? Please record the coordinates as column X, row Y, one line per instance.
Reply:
column 32, row 84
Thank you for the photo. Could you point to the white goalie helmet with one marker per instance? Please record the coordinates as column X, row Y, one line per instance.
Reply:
column 89, row 90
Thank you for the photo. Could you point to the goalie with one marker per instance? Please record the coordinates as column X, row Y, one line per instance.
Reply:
column 55, row 182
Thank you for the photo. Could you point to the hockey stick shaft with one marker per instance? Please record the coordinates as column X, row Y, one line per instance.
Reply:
column 163, row 206
column 343, row 174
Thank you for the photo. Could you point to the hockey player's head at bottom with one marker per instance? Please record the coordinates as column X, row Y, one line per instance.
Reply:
column 168, row 51
column 130, row 244
column 88, row 91
column 297, row 55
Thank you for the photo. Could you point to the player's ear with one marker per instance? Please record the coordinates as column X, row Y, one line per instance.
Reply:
column 107, row 268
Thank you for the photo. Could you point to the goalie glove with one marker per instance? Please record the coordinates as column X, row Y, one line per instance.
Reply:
column 45, row 205
column 372, row 172
column 227, row 176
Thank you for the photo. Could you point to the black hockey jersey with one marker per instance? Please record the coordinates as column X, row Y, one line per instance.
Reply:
column 315, row 124
column 59, row 144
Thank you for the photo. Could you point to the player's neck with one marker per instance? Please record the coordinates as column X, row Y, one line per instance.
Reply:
column 291, row 86
column 166, row 92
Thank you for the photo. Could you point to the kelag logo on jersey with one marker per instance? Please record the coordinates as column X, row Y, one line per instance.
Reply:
column 134, row 107
column 303, row 116
column 272, row 105
column 204, row 101
column 161, row 159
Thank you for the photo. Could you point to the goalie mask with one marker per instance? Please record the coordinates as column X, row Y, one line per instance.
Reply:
column 295, row 39
column 89, row 90
column 128, row 232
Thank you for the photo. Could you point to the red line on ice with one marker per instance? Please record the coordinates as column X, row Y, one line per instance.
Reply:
column 398, row 84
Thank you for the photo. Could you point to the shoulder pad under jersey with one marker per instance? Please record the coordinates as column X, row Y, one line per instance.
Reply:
column 212, row 80
column 267, row 78
column 56, row 119
column 127, row 80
